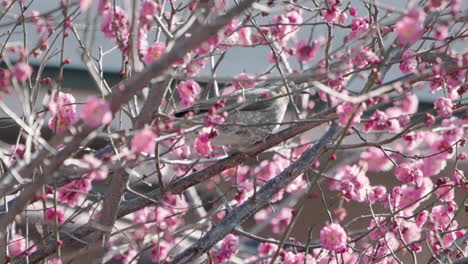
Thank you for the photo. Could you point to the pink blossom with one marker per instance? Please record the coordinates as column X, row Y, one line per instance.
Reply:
column 363, row 56
column 154, row 52
column 347, row 111
column 341, row 19
column 421, row 218
column 63, row 105
column 144, row 141
column 359, row 26
column 85, row 5
column 410, row 195
column 229, row 248
column 446, row 191
column 435, row 4
column 195, row 66
column 331, row 14
column 411, row 27
column 436, row 83
column 352, row 182
column 409, row 104
column 284, row 31
column 333, row 237
column 442, row 215
column 247, row 84
column 245, row 36
column 305, row 50
column 409, row 64
column 18, row 245
column 377, row 121
column 292, row 258
column 96, row 112
column 266, row 249
column 375, row 160
column 407, row 174
column 97, row 172
column 113, row 22
column 54, row 261
column 280, row 222
column 377, row 193
column 411, row 232
column 188, row 92
column 444, row 107
column 160, row 251
column 203, row 145
column 5, row 79
column 441, row 32
column 353, row 11
column 75, row 192
column 22, row 72
column 148, row 8
column 230, row 245
column 51, row 214
column 63, row 111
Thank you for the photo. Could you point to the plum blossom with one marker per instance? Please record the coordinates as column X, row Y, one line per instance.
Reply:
column 421, row 218
column 75, row 192
column 51, row 214
column 160, row 251
column 411, row 27
column 229, row 248
column 293, row 258
column 377, row 193
column 203, row 145
column 333, row 237
column 363, row 56
column 115, row 25
column 5, row 79
column 442, row 215
column 54, row 261
column 85, row 5
column 22, row 72
column 188, row 91
column 96, row 170
column 63, row 111
column 444, row 107
column 445, row 191
column 331, row 14
column 266, row 249
column 96, row 112
column 305, row 50
column 148, row 9
column 144, row 141
column 406, row 174
column 245, row 36
column 284, row 31
column 247, row 84
column 280, row 222
column 154, row 52
column 409, row 65
column 347, row 111
column 18, row 245
column 375, row 160
column 359, row 26
column 352, row 182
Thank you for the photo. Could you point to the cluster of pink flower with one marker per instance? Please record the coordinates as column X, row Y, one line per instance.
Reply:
column 62, row 108
column 229, row 248
column 159, row 224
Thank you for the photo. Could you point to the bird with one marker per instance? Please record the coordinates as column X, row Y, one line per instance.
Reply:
column 252, row 114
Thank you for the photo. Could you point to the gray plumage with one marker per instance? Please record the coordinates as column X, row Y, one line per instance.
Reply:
column 252, row 115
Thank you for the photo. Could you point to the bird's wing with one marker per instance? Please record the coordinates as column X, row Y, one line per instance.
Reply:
column 252, row 102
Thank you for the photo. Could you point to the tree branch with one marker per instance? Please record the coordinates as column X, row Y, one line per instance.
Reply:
column 240, row 214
